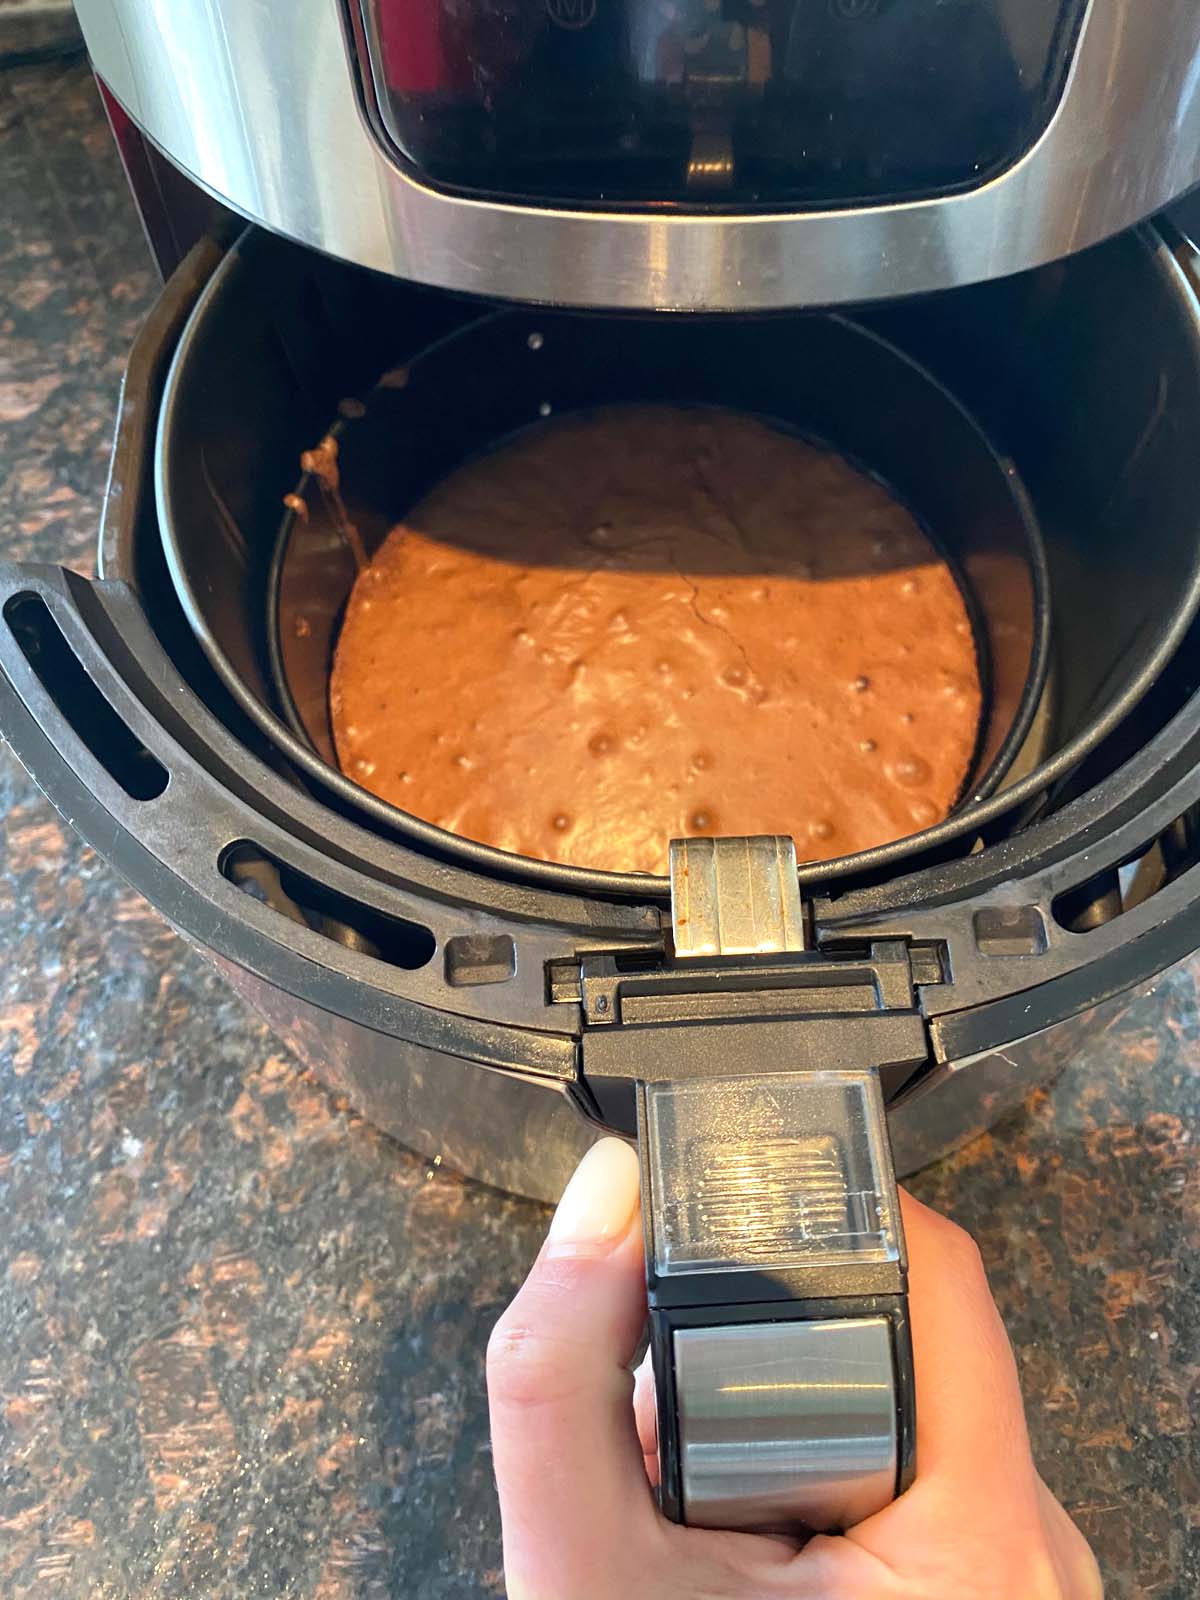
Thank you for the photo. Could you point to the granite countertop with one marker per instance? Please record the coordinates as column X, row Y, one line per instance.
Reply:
column 241, row 1333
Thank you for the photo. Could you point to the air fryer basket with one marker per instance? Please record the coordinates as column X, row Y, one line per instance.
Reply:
column 444, row 989
column 1074, row 403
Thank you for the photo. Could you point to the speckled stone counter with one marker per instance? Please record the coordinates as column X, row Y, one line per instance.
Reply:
column 240, row 1332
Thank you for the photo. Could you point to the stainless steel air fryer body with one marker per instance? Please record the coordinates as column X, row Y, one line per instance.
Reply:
column 577, row 152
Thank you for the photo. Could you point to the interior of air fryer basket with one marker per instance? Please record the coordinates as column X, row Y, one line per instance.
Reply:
column 1085, row 375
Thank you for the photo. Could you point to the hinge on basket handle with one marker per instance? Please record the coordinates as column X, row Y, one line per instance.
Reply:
column 735, row 897
column 775, row 1265
column 741, row 991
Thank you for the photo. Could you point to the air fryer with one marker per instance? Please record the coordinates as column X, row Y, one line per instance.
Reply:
column 914, row 233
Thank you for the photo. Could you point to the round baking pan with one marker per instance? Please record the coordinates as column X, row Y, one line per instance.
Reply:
column 265, row 602
column 820, row 376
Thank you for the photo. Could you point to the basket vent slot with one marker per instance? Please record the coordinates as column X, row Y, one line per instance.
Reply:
column 335, row 916
column 89, row 715
column 1112, row 892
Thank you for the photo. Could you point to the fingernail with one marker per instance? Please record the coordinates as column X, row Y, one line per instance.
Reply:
column 599, row 1202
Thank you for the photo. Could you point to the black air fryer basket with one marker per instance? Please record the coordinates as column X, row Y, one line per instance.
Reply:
column 449, row 988
column 995, row 413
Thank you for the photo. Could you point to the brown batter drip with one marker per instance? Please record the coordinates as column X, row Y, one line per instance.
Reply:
column 650, row 621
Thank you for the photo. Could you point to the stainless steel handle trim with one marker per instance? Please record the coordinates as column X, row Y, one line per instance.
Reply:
column 786, row 1422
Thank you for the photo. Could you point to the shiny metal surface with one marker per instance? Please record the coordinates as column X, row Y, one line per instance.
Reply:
column 735, row 896
column 785, row 1423
column 500, row 1129
column 264, row 113
column 526, row 1138
column 959, row 1100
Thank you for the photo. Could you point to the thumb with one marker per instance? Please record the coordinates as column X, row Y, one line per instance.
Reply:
column 573, row 1491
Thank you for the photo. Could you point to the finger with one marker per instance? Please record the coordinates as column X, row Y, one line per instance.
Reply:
column 975, row 1473
column 1076, row 1567
column 645, row 1415
column 968, row 1391
column 573, row 1492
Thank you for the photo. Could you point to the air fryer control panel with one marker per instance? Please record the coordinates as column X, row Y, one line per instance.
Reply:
column 785, row 104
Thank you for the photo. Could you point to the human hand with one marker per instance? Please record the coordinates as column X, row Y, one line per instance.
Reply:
column 573, row 1465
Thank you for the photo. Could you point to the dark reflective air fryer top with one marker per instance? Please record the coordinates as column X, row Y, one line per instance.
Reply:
column 759, row 102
